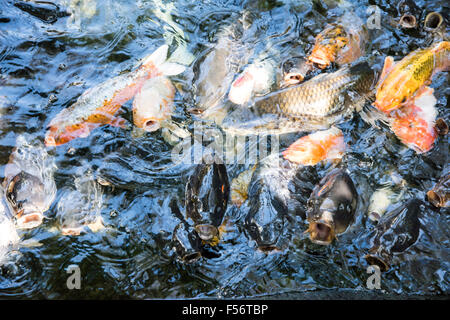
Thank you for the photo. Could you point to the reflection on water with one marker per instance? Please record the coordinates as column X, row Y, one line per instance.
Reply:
column 46, row 65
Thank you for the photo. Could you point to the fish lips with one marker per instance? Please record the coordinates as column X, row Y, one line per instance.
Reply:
column 321, row 232
column 29, row 220
column 151, row 125
column 207, row 232
column 379, row 259
column 408, row 21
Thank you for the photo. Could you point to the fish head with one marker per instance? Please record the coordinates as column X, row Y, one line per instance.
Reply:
column 206, row 200
column 295, row 70
column 153, row 104
column 380, row 258
column 26, row 195
column 242, row 88
column 207, row 232
column 331, row 206
column 266, row 223
column 328, row 45
column 395, row 232
column 187, row 243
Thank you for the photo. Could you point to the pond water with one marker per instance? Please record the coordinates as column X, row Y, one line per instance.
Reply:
column 47, row 61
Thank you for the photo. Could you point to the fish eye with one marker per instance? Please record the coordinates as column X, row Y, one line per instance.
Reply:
column 278, row 226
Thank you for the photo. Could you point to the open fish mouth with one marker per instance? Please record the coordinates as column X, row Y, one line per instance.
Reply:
column 433, row 21
column 30, row 220
column 268, row 248
column 321, row 232
column 151, row 125
column 292, row 78
column 191, row 257
column 435, row 199
column 207, row 232
column 373, row 259
column 408, row 21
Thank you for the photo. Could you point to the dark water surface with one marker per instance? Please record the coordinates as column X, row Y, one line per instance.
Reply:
column 46, row 62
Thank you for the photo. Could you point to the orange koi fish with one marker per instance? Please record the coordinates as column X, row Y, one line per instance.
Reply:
column 341, row 42
column 98, row 105
column 318, row 146
column 405, row 80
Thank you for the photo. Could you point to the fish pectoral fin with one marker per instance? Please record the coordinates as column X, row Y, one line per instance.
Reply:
column 119, row 122
column 104, row 117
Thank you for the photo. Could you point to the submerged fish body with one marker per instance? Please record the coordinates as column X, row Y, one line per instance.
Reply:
column 206, row 200
column 331, row 207
column 219, row 67
column 315, row 104
column 402, row 81
column 395, row 232
column 99, row 105
column 342, row 42
column 80, row 207
column 153, row 103
column 275, row 196
column 29, row 184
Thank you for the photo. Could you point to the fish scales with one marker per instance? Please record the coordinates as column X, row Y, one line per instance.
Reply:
column 320, row 97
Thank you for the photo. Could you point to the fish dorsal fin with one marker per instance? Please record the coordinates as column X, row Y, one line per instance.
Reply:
column 387, row 68
column 171, row 69
column 157, row 58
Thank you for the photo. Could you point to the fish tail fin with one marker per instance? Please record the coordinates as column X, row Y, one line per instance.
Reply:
column 372, row 115
column 158, row 60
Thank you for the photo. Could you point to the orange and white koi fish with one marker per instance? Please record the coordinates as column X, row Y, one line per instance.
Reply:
column 98, row 105
column 315, row 147
column 153, row 104
column 341, row 42
column 414, row 123
column 403, row 81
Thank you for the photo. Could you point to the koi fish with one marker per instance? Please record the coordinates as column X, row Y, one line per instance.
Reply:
column 341, row 42
column 406, row 79
column 98, row 105
column 316, row 147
